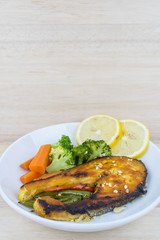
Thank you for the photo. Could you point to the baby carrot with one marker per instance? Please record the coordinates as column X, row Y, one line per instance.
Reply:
column 26, row 164
column 40, row 161
column 30, row 176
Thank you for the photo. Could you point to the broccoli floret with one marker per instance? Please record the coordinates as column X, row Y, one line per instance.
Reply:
column 80, row 154
column 61, row 155
column 90, row 149
column 62, row 159
column 97, row 148
column 64, row 142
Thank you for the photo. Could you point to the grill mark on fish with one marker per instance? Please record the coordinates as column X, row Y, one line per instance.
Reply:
column 58, row 208
column 80, row 174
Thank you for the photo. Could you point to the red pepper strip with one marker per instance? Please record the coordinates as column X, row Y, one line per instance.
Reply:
column 71, row 187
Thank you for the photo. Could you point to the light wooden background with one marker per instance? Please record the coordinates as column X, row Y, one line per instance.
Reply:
column 61, row 61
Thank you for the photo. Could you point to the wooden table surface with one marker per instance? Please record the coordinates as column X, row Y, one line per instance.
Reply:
column 61, row 61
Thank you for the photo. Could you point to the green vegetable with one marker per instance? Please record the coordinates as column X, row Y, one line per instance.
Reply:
column 61, row 156
column 90, row 149
column 64, row 193
column 67, row 199
column 64, row 156
column 62, row 159
column 65, row 196
column 83, row 194
column 29, row 203
column 97, row 148
column 81, row 154
column 50, row 194
column 71, row 200
column 65, row 142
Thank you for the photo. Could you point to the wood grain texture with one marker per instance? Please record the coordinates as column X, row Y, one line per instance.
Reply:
column 61, row 61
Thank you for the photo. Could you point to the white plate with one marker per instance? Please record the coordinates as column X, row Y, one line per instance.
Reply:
column 26, row 147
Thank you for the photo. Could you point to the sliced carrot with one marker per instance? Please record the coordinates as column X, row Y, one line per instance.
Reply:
column 49, row 175
column 40, row 161
column 26, row 164
column 71, row 187
column 30, row 176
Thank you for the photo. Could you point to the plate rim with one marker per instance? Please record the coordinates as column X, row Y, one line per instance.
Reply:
column 60, row 225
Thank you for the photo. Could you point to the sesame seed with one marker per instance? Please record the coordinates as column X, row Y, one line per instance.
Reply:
column 102, row 185
column 125, row 186
column 97, row 167
column 127, row 190
column 113, row 161
column 110, row 185
column 114, row 164
column 123, row 176
column 115, row 185
column 100, row 165
column 115, row 191
column 119, row 171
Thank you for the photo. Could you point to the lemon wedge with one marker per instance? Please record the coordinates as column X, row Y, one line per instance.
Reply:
column 134, row 140
column 99, row 127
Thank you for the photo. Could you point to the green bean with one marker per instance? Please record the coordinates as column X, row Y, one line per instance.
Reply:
column 71, row 200
column 63, row 193
column 29, row 203
column 84, row 194
column 65, row 197
column 50, row 194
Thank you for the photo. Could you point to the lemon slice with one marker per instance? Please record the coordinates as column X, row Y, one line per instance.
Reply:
column 134, row 140
column 99, row 127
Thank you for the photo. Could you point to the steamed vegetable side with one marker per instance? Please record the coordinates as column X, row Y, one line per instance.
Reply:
column 64, row 156
column 61, row 156
column 36, row 165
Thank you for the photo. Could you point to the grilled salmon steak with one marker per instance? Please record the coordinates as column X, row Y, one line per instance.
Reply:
column 117, row 180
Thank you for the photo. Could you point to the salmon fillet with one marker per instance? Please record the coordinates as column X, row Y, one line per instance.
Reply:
column 117, row 180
